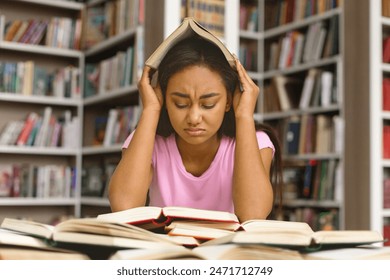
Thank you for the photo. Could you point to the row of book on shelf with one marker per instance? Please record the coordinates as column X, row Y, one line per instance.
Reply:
column 247, row 54
column 29, row 79
column 316, row 218
column 386, row 8
column 111, row 18
column 386, row 193
column 209, row 14
column 181, row 232
column 96, row 178
column 281, row 12
column 57, row 32
column 43, row 130
column 386, row 141
column 111, row 73
column 317, row 180
column 386, row 94
column 249, row 16
column 317, row 89
column 311, row 134
column 115, row 127
column 320, row 40
column 33, row 181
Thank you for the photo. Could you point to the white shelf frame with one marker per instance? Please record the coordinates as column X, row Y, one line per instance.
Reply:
column 376, row 67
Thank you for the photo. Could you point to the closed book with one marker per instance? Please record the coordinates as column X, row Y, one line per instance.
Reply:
column 27, row 129
column 12, row 30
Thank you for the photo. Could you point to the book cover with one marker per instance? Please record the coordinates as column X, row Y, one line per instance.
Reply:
column 189, row 27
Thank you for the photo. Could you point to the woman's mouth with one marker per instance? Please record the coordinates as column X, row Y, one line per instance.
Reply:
column 194, row 131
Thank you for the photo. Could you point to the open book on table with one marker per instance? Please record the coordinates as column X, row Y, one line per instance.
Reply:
column 218, row 227
column 18, row 246
column 150, row 217
column 298, row 235
column 217, row 252
column 94, row 237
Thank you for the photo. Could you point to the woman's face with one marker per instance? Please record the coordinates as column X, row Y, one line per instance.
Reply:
column 196, row 101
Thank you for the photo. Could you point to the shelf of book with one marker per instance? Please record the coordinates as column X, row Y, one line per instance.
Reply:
column 301, row 23
column 111, row 42
column 47, row 151
column 109, row 101
column 315, row 156
column 303, row 67
column 41, row 105
column 95, row 201
column 40, row 50
column 274, row 32
column 297, row 112
column 47, row 100
column 312, row 203
column 379, row 167
column 112, row 94
column 26, row 201
column 58, row 4
column 102, row 150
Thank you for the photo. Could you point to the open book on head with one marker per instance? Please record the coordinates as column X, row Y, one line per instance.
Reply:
column 189, row 27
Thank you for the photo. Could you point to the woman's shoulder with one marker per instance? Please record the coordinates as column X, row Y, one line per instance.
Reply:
column 264, row 140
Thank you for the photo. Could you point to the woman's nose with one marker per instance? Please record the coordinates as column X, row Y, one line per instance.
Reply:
column 194, row 116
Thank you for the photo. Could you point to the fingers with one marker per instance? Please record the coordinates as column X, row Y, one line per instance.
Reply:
column 246, row 82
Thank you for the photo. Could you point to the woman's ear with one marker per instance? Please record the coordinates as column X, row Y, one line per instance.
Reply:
column 228, row 103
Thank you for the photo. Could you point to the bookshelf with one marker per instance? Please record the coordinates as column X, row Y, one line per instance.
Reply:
column 379, row 117
column 110, row 100
column 58, row 159
column 284, row 64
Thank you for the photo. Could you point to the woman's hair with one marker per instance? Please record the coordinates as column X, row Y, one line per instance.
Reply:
column 276, row 172
column 196, row 51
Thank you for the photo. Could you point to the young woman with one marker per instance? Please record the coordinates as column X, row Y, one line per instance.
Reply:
column 196, row 144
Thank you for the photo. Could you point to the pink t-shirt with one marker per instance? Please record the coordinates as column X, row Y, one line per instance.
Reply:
column 172, row 185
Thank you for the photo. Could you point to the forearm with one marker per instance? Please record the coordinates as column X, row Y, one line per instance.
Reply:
column 252, row 190
column 130, row 182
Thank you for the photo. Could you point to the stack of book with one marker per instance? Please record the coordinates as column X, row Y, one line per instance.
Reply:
column 177, row 232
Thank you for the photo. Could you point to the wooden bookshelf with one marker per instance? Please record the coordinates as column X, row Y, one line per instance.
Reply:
column 262, row 36
column 106, row 98
column 15, row 105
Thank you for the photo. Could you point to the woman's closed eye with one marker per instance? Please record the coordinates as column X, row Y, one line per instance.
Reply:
column 208, row 105
column 181, row 105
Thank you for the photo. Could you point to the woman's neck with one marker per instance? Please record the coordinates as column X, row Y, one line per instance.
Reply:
column 198, row 158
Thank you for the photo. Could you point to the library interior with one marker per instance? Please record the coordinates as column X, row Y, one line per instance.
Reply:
column 69, row 99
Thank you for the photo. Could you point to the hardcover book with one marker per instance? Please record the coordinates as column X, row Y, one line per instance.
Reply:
column 189, row 27
column 95, row 238
column 150, row 217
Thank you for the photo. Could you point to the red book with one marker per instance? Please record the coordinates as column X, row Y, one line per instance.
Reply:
column 386, row 193
column 386, row 234
column 386, row 94
column 27, row 128
column 386, row 50
column 386, row 141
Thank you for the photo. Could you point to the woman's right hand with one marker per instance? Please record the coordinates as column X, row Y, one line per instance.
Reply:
column 151, row 98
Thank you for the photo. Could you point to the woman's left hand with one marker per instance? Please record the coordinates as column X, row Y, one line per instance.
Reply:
column 244, row 102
